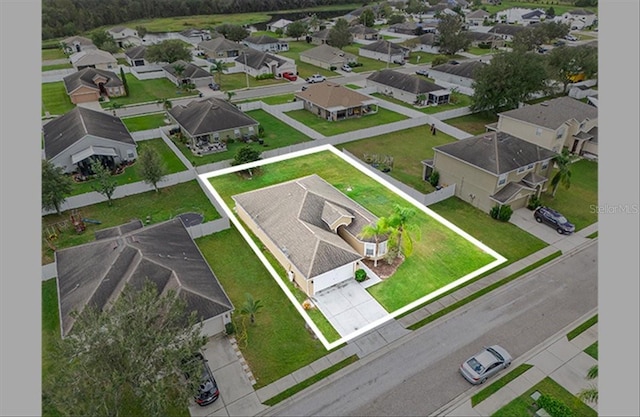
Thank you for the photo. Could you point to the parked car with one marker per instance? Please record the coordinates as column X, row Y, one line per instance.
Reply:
column 214, row 86
column 554, row 219
column 208, row 391
column 571, row 38
column 423, row 71
column 559, row 43
column 346, row 68
column 485, row 364
column 316, row 78
column 542, row 50
column 289, row 76
column 399, row 61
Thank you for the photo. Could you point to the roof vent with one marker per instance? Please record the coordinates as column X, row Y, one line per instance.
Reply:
column 545, row 104
column 488, row 137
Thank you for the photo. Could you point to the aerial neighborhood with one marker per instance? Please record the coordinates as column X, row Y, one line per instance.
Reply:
column 239, row 204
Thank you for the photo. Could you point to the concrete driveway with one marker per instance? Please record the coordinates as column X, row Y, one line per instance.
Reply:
column 523, row 218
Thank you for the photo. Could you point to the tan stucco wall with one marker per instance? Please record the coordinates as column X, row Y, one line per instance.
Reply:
column 316, row 62
column 64, row 158
column 527, row 131
column 84, row 95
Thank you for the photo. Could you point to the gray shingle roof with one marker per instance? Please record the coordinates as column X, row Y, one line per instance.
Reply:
column 93, row 273
column 477, row 14
column 321, row 34
column 258, row 59
column 532, row 14
column 509, row 191
column 190, row 70
column 261, row 40
column 85, row 78
column 329, row 54
column 427, row 39
column 291, row 214
column 362, row 30
column 405, row 82
column 464, row 69
column 384, row 46
column 553, row 113
column 496, row 152
column 505, row 29
column 66, row 130
column 137, row 52
column 221, row 44
column 209, row 116
column 482, row 36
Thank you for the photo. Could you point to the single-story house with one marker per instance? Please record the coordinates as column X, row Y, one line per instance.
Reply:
column 195, row 36
column 192, row 74
column 477, row 17
column 256, row 63
column 427, row 42
column 515, row 15
column 364, row 33
column 221, row 49
column 209, row 122
column 484, row 38
column 577, row 19
column 89, row 84
column 75, row 44
column 135, row 56
column 280, row 24
column 406, row 28
column 462, row 74
column 266, row 43
column 320, row 37
column 313, row 23
column 493, row 168
column 507, row 32
column 74, row 139
column 325, row 56
column 552, row 124
column 312, row 230
column 384, row 50
column 408, row 87
column 124, row 36
column 95, row 273
column 335, row 102
column 93, row 58
column 533, row 17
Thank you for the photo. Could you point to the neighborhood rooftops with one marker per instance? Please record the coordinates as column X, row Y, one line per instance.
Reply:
column 326, row 53
column 463, row 69
column 91, row 57
column 405, row 82
column 553, row 113
column 505, row 29
column 258, row 59
column 136, row 52
column 200, row 117
column 190, row 70
column 386, row 47
column 85, row 77
column 261, row 40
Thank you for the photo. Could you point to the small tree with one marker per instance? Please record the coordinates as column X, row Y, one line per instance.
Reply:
column 171, row 50
column 230, row 95
column 367, row 17
column 152, row 170
column 339, row 35
column 251, row 307
column 439, row 60
column 56, row 186
column 245, row 155
column 142, row 31
column 434, row 178
column 590, row 394
column 563, row 176
column 218, row 67
column 104, row 183
column 402, row 231
column 452, row 37
column 376, row 231
column 502, row 213
column 296, row 29
column 124, row 81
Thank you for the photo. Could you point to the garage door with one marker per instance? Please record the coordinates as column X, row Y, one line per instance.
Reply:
column 334, row 277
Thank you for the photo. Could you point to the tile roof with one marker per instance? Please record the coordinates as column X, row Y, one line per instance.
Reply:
column 496, row 152
column 553, row 113
column 64, row 131
column 329, row 95
column 200, row 117
column 405, row 82
column 86, row 76
column 190, row 70
column 463, row 69
column 94, row 273
column 329, row 54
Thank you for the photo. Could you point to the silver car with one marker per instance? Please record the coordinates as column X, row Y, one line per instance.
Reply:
column 485, row 363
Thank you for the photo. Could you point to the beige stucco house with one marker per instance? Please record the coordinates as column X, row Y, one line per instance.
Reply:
column 494, row 168
column 89, row 84
column 312, row 230
column 93, row 58
column 335, row 102
column 325, row 56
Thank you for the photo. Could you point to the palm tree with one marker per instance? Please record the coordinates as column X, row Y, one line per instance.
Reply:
column 563, row 176
column 375, row 230
column 590, row 394
column 179, row 69
column 251, row 307
column 402, row 230
column 218, row 67
column 230, row 94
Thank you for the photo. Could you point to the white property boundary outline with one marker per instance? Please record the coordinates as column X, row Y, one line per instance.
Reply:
column 499, row 259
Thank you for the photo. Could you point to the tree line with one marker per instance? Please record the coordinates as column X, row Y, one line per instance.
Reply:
column 62, row 18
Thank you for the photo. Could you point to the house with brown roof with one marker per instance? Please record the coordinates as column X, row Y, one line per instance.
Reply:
column 95, row 273
column 325, row 56
column 408, row 88
column 93, row 58
column 312, row 230
column 335, row 102
column 554, row 124
column 89, row 84
column 493, row 168
column 384, row 50
column 191, row 74
column 257, row 63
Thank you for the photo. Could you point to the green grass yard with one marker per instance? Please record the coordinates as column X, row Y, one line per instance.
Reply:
column 458, row 100
column 147, row 91
column 146, row 122
column 50, row 54
column 55, row 99
column 331, row 128
column 474, row 124
column 56, row 67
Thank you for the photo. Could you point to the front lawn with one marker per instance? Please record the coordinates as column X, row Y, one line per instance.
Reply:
column 368, row 64
column 238, row 81
column 272, row 100
column 408, row 148
column 56, row 67
column 331, row 128
column 158, row 207
column 458, row 100
column 474, row 124
column 55, row 99
column 50, row 54
column 147, row 91
column 146, row 122
column 579, row 202
column 480, row 51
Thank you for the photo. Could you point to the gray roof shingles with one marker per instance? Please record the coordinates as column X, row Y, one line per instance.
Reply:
column 209, row 116
column 258, row 59
column 384, row 46
column 85, row 78
column 190, row 70
column 553, row 113
column 463, row 69
column 137, row 52
column 404, row 82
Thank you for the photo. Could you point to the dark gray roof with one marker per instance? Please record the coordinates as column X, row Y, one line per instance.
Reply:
column 384, row 46
column 532, row 14
column 94, row 273
column 81, row 40
column 476, row 14
column 481, row 36
column 190, row 70
column 581, row 12
column 137, row 52
column 261, row 40
column 427, row 38
column 296, row 215
column 210, row 115
column 85, row 77
column 463, row 69
column 505, row 29
column 362, row 30
column 321, row 34
column 553, row 113
column 118, row 230
column 258, row 59
column 68, row 129
column 406, row 82
column 496, row 152
column 220, row 44
column 509, row 191
column 591, row 135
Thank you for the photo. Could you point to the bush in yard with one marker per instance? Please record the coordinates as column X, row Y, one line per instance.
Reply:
column 534, row 202
column 438, row 60
column 554, row 407
column 502, row 213
column 434, row 178
column 332, row 68
column 229, row 328
column 361, row 275
column 265, row 76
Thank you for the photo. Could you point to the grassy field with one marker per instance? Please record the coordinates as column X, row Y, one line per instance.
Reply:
column 146, row 122
column 592, row 350
column 273, row 100
column 144, row 91
column 158, row 207
column 368, row 64
column 56, row 67
column 408, row 148
column 480, row 51
column 559, row 7
column 55, row 99
column 330, row 128
column 473, row 124
column 132, row 173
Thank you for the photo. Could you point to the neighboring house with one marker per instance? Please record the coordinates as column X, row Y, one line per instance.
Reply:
column 477, row 17
column 313, row 23
column 320, row 37
column 578, row 19
column 208, row 123
column 335, row 102
column 90, row 84
column 386, row 51
column 507, row 32
column 593, row 101
column 135, row 56
column 192, row 74
column 312, row 230
column 364, row 33
column 75, row 44
column 266, row 43
column 405, row 28
column 256, row 63
column 95, row 273
column 195, row 36
column 221, row 49
column 479, row 39
column 515, row 15
column 427, row 42
column 325, row 56
column 580, row 91
column 462, row 74
column 533, row 17
column 552, row 124
column 81, row 135
column 493, row 168
column 125, row 37
column 408, row 88
column 280, row 24
column 93, row 58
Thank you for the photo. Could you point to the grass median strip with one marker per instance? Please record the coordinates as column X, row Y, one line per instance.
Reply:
column 496, row 386
column 483, row 291
column 583, row 327
column 310, row 381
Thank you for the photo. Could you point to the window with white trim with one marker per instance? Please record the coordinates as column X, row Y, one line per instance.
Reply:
column 521, row 169
column 538, row 131
column 529, row 167
column 545, row 164
column 502, row 179
column 560, row 133
column 369, row 249
column 382, row 248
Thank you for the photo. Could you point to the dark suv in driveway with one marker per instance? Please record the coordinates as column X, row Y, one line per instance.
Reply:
column 208, row 390
column 554, row 219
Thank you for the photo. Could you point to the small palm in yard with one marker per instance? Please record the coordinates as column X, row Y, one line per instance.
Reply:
column 218, row 68
column 590, row 394
column 563, row 176
column 251, row 307
column 402, row 231
column 377, row 231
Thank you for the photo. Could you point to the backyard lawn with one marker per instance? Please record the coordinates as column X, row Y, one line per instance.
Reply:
column 330, row 128
column 55, row 99
column 474, row 124
column 272, row 100
column 147, row 91
column 458, row 100
column 157, row 207
column 408, row 148
column 146, row 122
column 132, row 173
